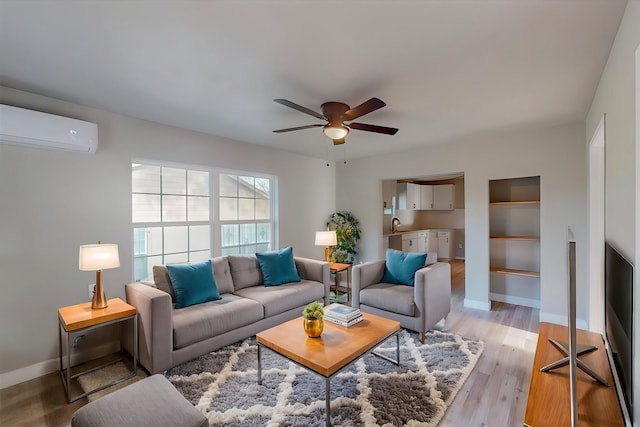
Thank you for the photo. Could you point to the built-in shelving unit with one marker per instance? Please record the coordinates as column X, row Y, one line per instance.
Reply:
column 524, row 202
column 525, row 273
column 533, row 238
column 514, row 241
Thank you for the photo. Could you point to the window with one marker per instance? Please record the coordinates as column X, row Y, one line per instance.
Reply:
column 171, row 217
column 175, row 219
column 245, row 213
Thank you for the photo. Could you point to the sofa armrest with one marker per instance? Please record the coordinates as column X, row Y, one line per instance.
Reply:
column 363, row 275
column 432, row 292
column 312, row 269
column 155, row 326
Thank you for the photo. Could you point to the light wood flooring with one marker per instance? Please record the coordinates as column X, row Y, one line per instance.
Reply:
column 495, row 394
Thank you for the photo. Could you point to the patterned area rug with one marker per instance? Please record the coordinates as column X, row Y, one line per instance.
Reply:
column 371, row 392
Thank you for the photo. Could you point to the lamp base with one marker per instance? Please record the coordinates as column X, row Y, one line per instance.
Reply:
column 99, row 299
column 327, row 254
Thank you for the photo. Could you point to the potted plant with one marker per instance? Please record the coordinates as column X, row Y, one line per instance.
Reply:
column 312, row 319
column 348, row 231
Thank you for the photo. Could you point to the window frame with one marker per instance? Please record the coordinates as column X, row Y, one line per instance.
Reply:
column 273, row 220
column 214, row 222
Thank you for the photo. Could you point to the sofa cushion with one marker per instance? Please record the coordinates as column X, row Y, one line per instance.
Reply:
column 277, row 267
column 401, row 267
column 193, row 283
column 222, row 274
column 245, row 271
column 163, row 281
column 199, row 322
column 389, row 297
column 284, row 297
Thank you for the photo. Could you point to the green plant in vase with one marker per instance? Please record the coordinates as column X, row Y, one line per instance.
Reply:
column 313, row 322
column 348, row 231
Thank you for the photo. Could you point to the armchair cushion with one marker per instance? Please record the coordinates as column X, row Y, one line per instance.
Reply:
column 401, row 267
column 389, row 297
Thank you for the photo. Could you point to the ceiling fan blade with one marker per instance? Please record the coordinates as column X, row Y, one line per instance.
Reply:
column 299, row 108
column 339, row 141
column 373, row 128
column 297, row 128
column 365, row 108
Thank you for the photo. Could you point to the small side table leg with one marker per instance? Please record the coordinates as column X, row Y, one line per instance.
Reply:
column 68, row 367
column 349, row 284
column 259, row 364
column 135, row 344
column 327, row 392
column 60, row 345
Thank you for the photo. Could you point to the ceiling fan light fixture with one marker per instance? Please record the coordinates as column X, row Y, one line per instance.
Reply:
column 335, row 132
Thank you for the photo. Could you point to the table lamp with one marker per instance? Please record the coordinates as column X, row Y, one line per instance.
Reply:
column 326, row 239
column 97, row 258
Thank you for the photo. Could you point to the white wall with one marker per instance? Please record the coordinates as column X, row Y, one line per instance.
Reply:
column 52, row 202
column 616, row 97
column 557, row 155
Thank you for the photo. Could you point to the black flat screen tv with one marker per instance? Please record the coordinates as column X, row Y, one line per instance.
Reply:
column 618, row 287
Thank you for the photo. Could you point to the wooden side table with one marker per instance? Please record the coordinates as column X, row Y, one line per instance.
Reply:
column 549, row 399
column 338, row 267
column 80, row 318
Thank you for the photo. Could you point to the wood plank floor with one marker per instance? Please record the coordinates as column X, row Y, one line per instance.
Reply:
column 495, row 394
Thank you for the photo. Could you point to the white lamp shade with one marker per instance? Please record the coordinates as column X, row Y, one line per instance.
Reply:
column 326, row 238
column 98, row 257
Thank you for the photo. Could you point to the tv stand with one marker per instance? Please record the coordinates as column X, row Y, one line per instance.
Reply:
column 549, row 400
column 580, row 350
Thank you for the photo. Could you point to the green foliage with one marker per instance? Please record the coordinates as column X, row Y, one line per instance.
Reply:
column 315, row 310
column 348, row 233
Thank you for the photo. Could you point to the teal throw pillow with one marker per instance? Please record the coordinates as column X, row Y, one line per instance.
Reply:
column 278, row 267
column 193, row 283
column 401, row 267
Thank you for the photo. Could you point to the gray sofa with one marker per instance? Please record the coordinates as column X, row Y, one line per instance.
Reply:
column 417, row 307
column 169, row 336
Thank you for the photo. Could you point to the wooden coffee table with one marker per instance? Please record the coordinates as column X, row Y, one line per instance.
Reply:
column 327, row 355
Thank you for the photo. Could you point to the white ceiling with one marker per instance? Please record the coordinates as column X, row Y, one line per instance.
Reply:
column 445, row 68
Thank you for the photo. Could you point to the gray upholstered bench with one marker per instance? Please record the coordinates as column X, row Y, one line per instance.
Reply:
column 152, row 402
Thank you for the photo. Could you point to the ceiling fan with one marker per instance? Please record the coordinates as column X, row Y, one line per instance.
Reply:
column 336, row 114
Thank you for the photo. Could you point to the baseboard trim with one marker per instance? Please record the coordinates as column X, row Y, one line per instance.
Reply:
column 45, row 367
column 562, row 320
column 478, row 305
column 510, row 299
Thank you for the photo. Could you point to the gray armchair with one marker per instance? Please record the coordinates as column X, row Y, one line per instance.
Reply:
column 417, row 307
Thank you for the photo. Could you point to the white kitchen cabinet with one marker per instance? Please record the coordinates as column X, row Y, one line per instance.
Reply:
column 410, row 242
column 426, row 197
column 431, row 241
column 422, row 242
column 444, row 244
column 443, row 197
column 408, row 196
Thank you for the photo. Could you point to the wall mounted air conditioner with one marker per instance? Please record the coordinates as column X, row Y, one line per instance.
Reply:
column 29, row 128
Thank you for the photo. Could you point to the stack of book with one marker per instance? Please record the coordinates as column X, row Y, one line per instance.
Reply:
column 342, row 315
